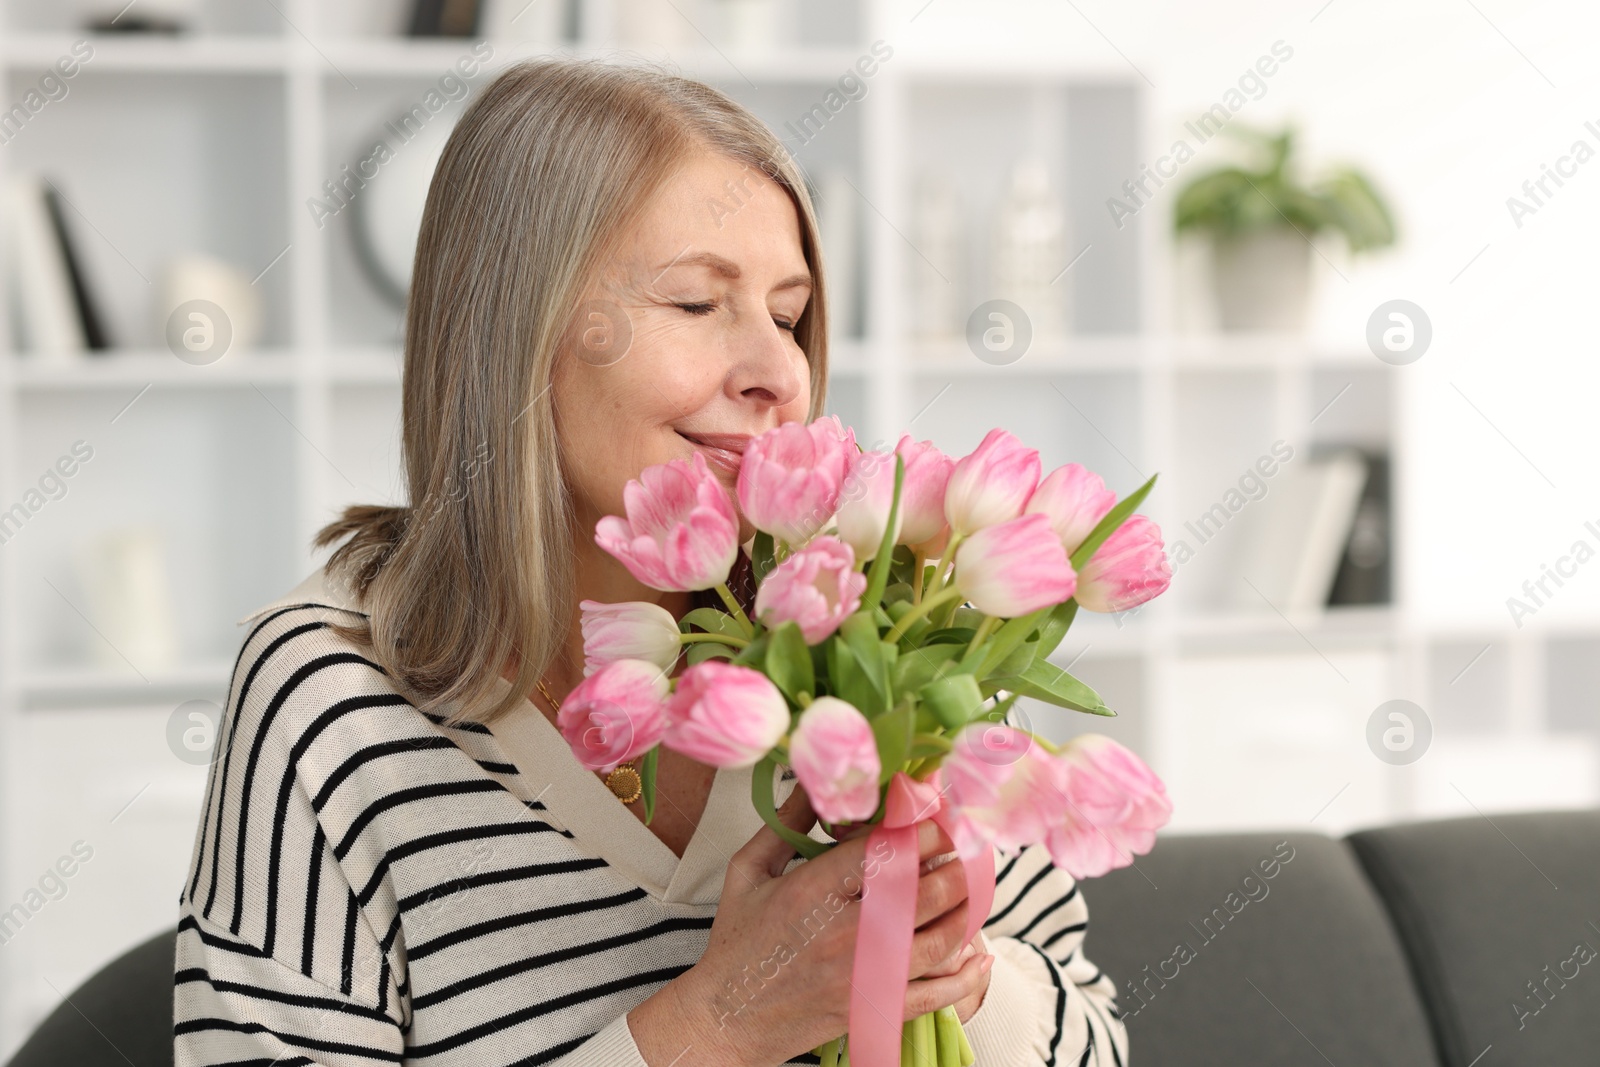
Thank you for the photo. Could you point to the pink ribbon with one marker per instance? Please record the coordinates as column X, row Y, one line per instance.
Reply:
column 882, row 966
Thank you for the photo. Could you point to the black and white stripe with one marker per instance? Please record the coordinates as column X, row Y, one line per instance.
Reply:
column 369, row 885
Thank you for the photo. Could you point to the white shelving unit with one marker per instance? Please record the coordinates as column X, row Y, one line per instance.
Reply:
column 215, row 142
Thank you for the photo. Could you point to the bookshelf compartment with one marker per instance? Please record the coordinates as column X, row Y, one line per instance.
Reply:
column 1093, row 419
column 1470, row 687
column 183, row 511
column 1572, row 683
column 200, row 171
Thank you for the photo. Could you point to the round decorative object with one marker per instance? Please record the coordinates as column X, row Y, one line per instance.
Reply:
column 625, row 783
column 387, row 209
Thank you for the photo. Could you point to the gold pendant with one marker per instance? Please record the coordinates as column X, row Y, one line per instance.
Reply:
column 625, row 783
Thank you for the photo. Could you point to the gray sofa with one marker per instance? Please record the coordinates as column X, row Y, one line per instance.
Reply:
column 1458, row 943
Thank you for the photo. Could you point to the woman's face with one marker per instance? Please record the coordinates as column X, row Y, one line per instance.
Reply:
column 686, row 344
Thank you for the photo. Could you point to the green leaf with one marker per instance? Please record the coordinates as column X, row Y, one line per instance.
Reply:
column 848, row 680
column 917, row 667
column 953, row 699
column 754, row 653
column 713, row 621
column 1020, row 658
column 789, row 662
column 762, row 560
column 958, row 635
column 1055, row 628
column 860, row 633
column 1049, row 683
column 878, row 574
column 893, row 731
column 701, row 651
column 896, row 593
column 647, row 782
column 1108, row 525
column 761, row 797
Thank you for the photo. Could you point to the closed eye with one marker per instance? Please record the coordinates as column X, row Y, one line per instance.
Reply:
column 704, row 308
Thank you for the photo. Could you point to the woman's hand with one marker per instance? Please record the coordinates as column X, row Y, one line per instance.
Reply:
column 775, row 978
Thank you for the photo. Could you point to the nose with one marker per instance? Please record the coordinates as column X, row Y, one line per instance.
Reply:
column 770, row 368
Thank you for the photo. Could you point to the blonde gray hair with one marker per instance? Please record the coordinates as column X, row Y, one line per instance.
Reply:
column 539, row 181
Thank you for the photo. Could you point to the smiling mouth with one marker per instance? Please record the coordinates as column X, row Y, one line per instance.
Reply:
column 723, row 451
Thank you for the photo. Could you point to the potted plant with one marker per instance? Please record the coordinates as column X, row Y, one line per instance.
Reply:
column 1261, row 220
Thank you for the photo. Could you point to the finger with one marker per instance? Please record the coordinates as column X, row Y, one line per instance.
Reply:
column 940, row 890
column 932, row 840
column 939, row 940
column 930, row 994
column 952, row 964
column 766, row 854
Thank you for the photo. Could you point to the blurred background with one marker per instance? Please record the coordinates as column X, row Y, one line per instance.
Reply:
column 1324, row 266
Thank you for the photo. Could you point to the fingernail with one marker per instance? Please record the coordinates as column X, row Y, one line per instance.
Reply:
column 988, row 961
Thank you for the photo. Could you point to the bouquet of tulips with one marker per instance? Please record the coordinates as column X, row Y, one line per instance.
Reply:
column 905, row 601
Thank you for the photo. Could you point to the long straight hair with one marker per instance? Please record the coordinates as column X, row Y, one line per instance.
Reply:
column 539, row 181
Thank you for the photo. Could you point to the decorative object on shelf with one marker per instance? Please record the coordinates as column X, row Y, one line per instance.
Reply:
column 1030, row 249
column 124, row 576
column 1261, row 222
column 152, row 16
column 388, row 213
column 444, row 18
column 751, row 26
column 899, row 595
column 1365, row 574
column 1292, row 550
column 199, row 276
column 839, row 220
column 655, row 26
column 938, row 273
column 541, row 22
column 44, row 309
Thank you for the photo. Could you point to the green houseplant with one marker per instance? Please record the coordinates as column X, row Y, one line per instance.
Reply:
column 1261, row 218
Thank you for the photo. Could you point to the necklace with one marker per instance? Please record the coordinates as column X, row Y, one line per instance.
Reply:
column 624, row 781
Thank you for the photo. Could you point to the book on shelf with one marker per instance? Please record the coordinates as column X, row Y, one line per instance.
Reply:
column 94, row 334
column 1366, row 570
column 1291, row 556
column 44, row 309
column 445, row 18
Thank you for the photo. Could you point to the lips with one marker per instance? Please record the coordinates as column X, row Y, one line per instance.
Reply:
column 723, row 451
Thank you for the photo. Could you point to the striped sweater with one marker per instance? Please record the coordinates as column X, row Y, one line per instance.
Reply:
column 369, row 885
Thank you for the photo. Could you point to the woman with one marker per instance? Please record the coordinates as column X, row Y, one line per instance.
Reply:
column 400, row 859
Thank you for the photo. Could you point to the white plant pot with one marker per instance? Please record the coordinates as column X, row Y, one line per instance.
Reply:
column 1262, row 281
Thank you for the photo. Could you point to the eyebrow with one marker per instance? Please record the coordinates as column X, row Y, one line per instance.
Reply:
column 727, row 268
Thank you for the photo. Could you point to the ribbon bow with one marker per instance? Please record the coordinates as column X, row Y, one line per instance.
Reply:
column 882, row 966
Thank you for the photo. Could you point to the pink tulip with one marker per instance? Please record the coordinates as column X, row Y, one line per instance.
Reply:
column 864, row 501
column 922, row 495
column 817, row 588
column 630, row 630
column 1128, row 569
column 681, row 533
column 835, row 756
column 1015, row 567
column 992, row 484
column 615, row 714
column 1003, row 787
column 1076, row 500
column 725, row 716
column 1114, row 805
column 791, row 476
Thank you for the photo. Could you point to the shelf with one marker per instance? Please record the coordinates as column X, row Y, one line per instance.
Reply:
column 137, row 367
column 200, row 54
column 92, row 685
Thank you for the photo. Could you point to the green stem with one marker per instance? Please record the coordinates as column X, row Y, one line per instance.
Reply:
column 918, row 561
column 947, row 1027
column 918, row 611
column 983, row 631
column 945, row 574
column 733, row 607
column 724, row 639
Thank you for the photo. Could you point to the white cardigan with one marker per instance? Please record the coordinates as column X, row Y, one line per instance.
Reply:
column 393, row 890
